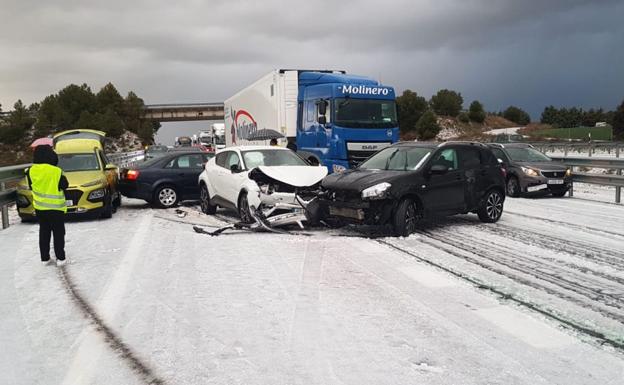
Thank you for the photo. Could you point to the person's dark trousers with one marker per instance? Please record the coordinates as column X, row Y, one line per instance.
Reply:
column 51, row 222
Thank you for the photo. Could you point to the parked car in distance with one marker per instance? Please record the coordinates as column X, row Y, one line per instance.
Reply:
column 260, row 180
column 155, row 151
column 530, row 172
column 93, row 181
column 166, row 180
column 403, row 183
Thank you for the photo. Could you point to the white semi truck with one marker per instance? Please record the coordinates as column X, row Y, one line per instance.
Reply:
column 328, row 116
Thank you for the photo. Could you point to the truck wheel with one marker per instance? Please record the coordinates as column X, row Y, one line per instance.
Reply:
column 513, row 187
column 243, row 208
column 407, row 217
column 166, row 196
column 204, row 199
column 491, row 207
column 107, row 211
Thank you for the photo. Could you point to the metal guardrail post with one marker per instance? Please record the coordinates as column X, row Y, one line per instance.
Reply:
column 618, row 190
column 5, row 210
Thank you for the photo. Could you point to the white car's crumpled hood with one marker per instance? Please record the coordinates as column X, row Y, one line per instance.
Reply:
column 298, row 176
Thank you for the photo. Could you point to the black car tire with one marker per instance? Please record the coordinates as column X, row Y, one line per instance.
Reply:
column 407, row 217
column 491, row 207
column 204, row 200
column 107, row 210
column 559, row 194
column 243, row 208
column 513, row 187
column 166, row 196
column 117, row 201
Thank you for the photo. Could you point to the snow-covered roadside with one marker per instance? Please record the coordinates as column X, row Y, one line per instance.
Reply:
column 265, row 308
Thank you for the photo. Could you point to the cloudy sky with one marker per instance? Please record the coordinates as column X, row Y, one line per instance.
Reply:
column 529, row 53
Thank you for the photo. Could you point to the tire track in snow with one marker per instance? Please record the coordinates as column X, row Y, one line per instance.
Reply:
column 597, row 335
column 588, row 229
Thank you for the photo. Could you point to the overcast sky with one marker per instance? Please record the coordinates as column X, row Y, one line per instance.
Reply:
column 529, row 53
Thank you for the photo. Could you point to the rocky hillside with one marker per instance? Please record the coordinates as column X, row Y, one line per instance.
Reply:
column 452, row 128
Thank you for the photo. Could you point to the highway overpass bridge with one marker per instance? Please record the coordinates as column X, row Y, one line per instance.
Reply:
column 183, row 112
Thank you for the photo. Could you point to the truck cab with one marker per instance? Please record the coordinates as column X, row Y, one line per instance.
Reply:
column 343, row 119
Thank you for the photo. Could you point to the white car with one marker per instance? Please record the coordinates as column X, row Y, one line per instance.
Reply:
column 268, row 182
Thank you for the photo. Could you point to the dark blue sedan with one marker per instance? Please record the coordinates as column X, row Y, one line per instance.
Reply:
column 166, row 180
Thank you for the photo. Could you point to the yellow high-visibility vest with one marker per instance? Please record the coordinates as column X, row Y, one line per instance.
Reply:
column 44, row 179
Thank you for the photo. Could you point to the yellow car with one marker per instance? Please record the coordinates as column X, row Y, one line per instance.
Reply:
column 92, row 181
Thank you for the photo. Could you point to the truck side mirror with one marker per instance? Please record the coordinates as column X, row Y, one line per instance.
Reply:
column 322, row 120
column 322, row 107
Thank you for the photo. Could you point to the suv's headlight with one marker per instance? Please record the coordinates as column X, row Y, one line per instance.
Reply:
column 377, row 191
column 337, row 168
column 568, row 172
column 93, row 183
column 529, row 171
column 96, row 194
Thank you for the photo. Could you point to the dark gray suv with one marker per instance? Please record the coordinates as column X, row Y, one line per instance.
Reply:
column 529, row 172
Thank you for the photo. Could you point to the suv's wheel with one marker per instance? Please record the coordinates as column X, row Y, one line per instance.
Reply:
column 107, row 211
column 166, row 196
column 204, row 199
column 243, row 208
column 117, row 201
column 513, row 187
column 492, row 207
column 407, row 217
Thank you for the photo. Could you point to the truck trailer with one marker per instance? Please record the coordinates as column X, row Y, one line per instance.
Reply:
column 330, row 117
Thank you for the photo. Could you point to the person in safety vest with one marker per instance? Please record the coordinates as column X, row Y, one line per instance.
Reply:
column 48, row 184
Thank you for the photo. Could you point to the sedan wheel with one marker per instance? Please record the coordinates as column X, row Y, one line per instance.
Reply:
column 513, row 187
column 492, row 207
column 166, row 196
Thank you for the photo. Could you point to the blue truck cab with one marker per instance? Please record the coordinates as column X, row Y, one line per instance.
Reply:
column 343, row 119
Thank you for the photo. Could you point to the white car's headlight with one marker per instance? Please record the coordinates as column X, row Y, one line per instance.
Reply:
column 337, row 168
column 96, row 194
column 529, row 171
column 377, row 191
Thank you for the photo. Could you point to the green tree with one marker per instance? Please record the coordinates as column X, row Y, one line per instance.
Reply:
column 476, row 113
column 111, row 123
column 50, row 116
column 427, row 126
column 517, row 115
column 411, row 107
column 447, row 103
column 618, row 122
column 108, row 98
column 133, row 112
column 463, row 117
column 19, row 123
column 73, row 100
column 550, row 115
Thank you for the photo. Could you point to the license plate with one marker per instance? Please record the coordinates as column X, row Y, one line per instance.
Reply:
column 555, row 181
column 69, row 203
column 536, row 188
column 346, row 212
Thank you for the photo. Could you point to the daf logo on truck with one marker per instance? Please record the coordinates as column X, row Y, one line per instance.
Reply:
column 363, row 90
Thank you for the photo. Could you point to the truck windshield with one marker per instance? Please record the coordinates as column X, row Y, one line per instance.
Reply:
column 365, row 113
column 396, row 159
column 255, row 158
column 219, row 139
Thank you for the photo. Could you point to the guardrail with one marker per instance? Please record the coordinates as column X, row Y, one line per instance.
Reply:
column 10, row 175
column 616, row 180
column 607, row 148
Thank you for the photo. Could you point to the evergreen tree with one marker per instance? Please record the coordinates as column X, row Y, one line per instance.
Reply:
column 476, row 113
column 427, row 126
column 410, row 107
column 447, row 103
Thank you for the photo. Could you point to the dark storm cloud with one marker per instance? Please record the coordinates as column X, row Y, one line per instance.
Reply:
column 529, row 53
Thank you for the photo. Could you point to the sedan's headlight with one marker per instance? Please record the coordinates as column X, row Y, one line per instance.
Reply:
column 96, row 194
column 377, row 191
column 529, row 171
column 93, row 183
column 568, row 172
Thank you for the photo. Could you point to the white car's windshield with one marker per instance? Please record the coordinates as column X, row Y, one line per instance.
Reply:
column 396, row 158
column 255, row 158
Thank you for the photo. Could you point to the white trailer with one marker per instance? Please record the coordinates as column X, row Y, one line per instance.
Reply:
column 268, row 104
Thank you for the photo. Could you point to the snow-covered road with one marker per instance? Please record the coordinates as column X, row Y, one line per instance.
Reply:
column 529, row 300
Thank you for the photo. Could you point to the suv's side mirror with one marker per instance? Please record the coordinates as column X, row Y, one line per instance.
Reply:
column 110, row 167
column 235, row 168
column 438, row 169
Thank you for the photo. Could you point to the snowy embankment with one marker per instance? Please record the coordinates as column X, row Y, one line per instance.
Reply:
column 327, row 308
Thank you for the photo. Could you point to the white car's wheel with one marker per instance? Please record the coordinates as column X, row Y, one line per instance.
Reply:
column 243, row 208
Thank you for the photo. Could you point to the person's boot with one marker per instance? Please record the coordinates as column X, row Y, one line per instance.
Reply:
column 61, row 262
column 46, row 262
